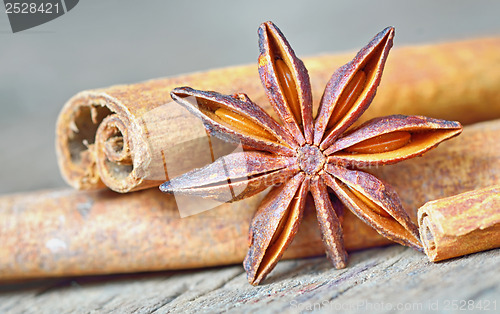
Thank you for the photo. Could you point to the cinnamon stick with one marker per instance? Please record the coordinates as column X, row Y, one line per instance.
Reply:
column 67, row 232
column 461, row 224
column 124, row 136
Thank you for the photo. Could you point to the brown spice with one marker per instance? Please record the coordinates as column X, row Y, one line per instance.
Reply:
column 105, row 232
column 133, row 147
column 305, row 154
column 68, row 233
column 461, row 224
column 467, row 163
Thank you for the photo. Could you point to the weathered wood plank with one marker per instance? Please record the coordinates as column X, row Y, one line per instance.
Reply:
column 377, row 280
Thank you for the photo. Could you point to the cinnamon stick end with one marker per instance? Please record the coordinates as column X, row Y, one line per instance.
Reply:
column 462, row 224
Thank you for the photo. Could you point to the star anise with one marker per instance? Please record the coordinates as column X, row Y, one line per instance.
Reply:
column 303, row 154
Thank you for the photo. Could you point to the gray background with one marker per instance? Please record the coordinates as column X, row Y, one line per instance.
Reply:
column 107, row 42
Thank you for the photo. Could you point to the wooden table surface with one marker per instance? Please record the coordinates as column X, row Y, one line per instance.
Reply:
column 383, row 280
column 44, row 67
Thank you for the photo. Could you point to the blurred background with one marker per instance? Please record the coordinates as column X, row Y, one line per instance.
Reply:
column 106, row 42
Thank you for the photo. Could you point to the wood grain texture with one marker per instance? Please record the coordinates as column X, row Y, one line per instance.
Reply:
column 375, row 281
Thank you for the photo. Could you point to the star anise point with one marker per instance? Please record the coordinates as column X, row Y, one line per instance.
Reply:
column 302, row 155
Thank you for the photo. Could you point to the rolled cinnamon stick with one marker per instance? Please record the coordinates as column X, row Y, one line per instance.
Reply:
column 124, row 136
column 67, row 232
column 62, row 233
column 461, row 224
